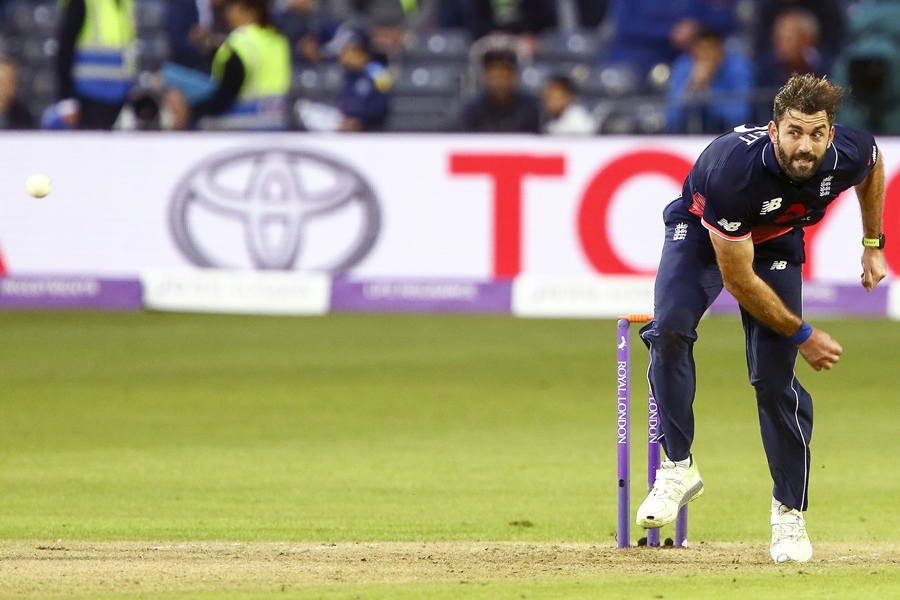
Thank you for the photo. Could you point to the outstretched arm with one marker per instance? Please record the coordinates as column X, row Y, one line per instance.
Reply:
column 871, row 204
column 735, row 260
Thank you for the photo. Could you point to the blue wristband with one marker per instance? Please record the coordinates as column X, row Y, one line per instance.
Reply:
column 803, row 334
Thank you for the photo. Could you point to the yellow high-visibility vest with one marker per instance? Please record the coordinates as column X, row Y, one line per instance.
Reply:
column 104, row 68
column 262, row 101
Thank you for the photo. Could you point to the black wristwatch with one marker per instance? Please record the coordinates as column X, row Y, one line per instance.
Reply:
column 874, row 242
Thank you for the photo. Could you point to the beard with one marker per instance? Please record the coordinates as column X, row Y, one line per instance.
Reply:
column 795, row 172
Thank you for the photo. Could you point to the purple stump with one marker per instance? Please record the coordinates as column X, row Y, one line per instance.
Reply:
column 681, row 527
column 623, row 533
column 652, row 456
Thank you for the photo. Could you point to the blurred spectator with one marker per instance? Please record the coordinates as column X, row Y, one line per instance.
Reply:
column 385, row 22
column 93, row 64
column 649, row 32
column 252, row 70
column 830, row 14
column 195, row 29
column 481, row 17
column 709, row 87
column 794, row 49
column 13, row 113
column 564, row 115
column 307, row 27
column 502, row 107
column 870, row 66
column 364, row 101
column 64, row 114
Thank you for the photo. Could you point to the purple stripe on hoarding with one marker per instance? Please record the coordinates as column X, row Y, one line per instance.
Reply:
column 421, row 295
column 62, row 292
column 839, row 299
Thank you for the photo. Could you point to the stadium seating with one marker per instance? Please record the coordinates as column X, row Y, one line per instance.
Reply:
column 434, row 72
column 319, row 83
column 28, row 31
column 612, row 81
column 428, row 114
column 448, row 46
column 533, row 77
column 426, row 98
column 572, row 46
column 37, row 18
column 439, row 80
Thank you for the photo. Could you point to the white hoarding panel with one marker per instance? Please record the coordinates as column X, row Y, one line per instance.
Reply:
column 596, row 297
column 244, row 292
column 380, row 206
column 893, row 303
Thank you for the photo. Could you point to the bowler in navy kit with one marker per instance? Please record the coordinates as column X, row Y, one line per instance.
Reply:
column 739, row 225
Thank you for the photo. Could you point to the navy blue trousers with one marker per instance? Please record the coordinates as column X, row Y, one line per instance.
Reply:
column 687, row 282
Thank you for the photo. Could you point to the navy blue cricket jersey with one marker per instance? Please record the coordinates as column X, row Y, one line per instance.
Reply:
column 739, row 191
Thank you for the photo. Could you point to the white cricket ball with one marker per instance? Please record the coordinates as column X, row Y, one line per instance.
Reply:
column 38, row 185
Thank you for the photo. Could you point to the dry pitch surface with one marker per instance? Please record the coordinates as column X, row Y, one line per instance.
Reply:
column 86, row 568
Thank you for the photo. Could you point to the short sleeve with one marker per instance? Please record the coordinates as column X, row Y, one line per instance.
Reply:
column 727, row 211
column 867, row 154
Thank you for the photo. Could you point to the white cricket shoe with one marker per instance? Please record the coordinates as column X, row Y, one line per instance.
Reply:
column 790, row 542
column 674, row 487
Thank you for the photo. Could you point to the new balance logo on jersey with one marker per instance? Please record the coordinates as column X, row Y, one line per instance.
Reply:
column 680, row 232
column 770, row 205
column 779, row 265
column 729, row 225
column 825, row 186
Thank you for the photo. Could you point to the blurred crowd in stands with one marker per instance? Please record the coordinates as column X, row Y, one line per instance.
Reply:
column 559, row 67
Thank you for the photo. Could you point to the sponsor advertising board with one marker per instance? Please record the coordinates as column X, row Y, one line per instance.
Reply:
column 467, row 223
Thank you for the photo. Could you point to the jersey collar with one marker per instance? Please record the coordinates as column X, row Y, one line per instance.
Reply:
column 770, row 161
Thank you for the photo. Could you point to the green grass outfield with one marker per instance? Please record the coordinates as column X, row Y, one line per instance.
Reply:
column 413, row 428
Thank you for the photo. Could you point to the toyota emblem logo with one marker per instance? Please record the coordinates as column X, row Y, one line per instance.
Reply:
column 274, row 209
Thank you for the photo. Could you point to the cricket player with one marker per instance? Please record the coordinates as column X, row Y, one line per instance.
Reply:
column 739, row 224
